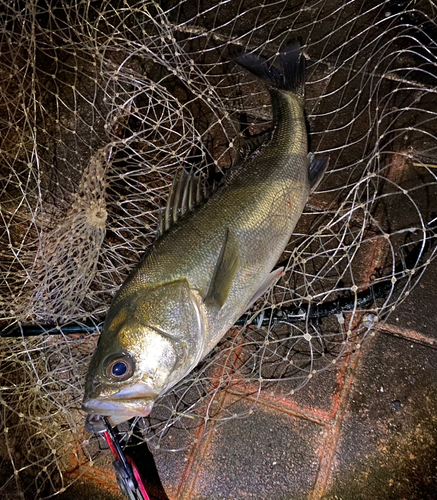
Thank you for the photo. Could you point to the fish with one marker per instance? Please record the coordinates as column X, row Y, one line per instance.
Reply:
column 213, row 259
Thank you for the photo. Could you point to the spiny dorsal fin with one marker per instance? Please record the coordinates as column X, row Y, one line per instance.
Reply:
column 187, row 192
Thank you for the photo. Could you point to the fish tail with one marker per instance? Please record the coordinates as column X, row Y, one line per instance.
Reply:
column 290, row 76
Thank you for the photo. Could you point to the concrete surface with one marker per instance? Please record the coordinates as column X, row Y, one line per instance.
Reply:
column 364, row 431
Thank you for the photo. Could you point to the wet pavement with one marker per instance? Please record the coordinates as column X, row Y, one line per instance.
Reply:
column 380, row 442
column 364, row 430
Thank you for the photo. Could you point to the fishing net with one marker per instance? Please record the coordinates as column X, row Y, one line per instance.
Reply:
column 102, row 102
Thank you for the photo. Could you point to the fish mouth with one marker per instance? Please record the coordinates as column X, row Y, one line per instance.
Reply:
column 134, row 401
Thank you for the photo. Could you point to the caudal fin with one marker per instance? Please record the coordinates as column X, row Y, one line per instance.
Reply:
column 290, row 75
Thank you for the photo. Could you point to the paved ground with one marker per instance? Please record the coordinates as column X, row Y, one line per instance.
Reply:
column 365, row 431
column 373, row 437
column 378, row 441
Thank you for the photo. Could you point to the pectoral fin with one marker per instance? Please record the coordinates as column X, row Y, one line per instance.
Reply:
column 316, row 170
column 266, row 284
column 224, row 272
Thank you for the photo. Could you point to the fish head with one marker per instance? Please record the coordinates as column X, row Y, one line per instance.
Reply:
column 151, row 339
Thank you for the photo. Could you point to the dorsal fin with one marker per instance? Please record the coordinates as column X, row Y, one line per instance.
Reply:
column 248, row 146
column 187, row 192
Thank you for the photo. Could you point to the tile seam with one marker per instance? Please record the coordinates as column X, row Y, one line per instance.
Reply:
column 407, row 334
column 332, row 439
column 278, row 406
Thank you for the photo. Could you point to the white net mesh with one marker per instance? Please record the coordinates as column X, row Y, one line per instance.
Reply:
column 101, row 102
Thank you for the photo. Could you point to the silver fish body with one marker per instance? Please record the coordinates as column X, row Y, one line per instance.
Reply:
column 210, row 264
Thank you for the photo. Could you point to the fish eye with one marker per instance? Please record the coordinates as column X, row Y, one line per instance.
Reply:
column 119, row 367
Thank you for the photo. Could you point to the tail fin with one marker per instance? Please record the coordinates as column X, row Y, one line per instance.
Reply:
column 290, row 76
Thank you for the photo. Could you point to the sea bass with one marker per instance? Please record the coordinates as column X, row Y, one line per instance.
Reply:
column 212, row 261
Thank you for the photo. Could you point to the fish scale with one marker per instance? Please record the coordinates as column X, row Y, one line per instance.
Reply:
column 211, row 263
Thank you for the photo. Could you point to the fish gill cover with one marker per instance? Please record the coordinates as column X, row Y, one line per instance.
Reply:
column 102, row 102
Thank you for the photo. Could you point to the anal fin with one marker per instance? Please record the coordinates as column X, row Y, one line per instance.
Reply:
column 266, row 284
column 316, row 170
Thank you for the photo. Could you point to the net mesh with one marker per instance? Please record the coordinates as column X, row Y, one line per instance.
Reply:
column 102, row 102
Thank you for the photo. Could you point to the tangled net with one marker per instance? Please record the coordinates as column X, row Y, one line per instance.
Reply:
column 102, row 102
